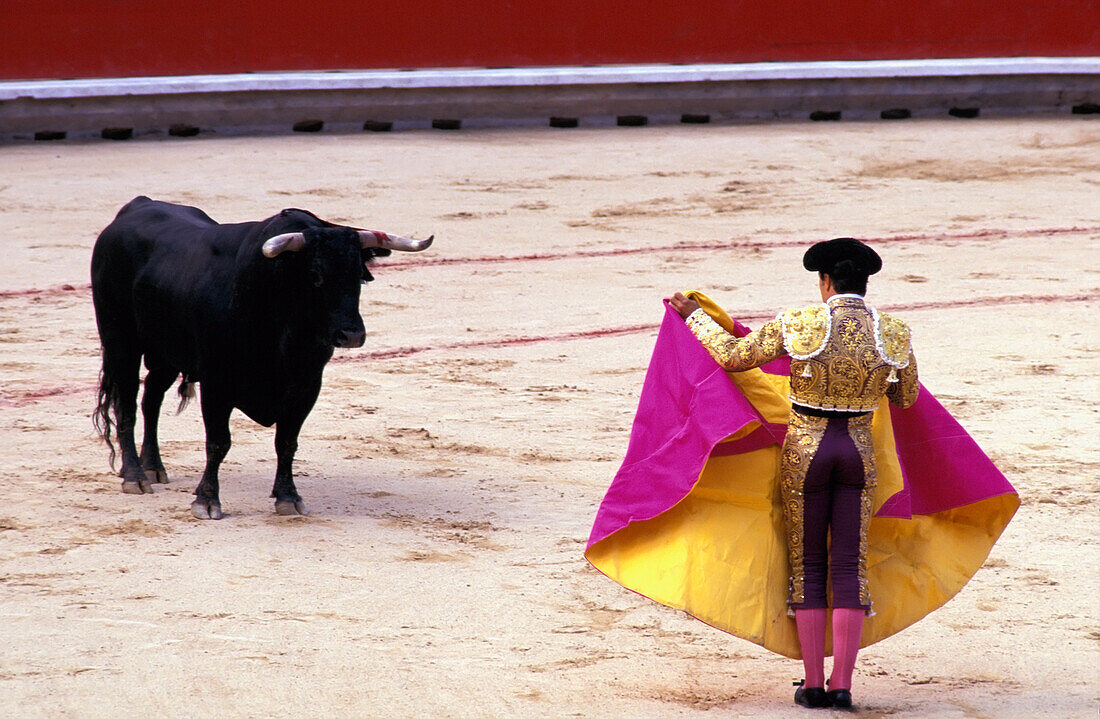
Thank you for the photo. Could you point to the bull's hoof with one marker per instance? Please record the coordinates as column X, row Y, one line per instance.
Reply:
column 206, row 509
column 132, row 486
column 157, row 476
column 290, row 507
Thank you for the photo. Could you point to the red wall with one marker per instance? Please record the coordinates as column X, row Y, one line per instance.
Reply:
column 114, row 38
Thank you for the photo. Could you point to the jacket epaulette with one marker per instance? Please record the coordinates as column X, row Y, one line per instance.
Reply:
column 807, row 330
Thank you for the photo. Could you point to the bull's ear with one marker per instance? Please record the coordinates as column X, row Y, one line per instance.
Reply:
column 367, row 255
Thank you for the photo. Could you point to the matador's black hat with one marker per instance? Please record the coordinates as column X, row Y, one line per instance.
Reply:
column 824, row 256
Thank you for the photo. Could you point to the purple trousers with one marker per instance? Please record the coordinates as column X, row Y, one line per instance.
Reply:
column 827, row 497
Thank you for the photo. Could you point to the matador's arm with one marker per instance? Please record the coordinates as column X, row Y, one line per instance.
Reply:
column 903, row 393
column 737, row 353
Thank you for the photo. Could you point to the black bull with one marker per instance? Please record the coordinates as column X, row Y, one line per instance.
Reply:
column 250, row 311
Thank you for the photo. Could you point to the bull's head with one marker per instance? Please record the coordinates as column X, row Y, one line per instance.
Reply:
column 337, row 266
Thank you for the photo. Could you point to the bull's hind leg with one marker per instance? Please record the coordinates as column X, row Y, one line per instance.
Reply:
column 116, row 412
column 215, row 417
column 287, row 499
column 124, row 368
column 157, row 383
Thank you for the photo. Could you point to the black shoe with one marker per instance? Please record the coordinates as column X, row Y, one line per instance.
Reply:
column 840, row 698
column 812, row 697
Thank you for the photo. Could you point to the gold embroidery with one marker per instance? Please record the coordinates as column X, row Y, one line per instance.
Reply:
column 733, row 353
column 903, row 393
column 894, row 339
column 850, row 371
column 842, row 357
column 803, row 438
column 847, row 369
column 804, row 435
column 805, row 330
column 849, row 333
column 859, row 429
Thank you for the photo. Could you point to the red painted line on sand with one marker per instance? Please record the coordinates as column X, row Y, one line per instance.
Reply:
column 38, row 292
column 30, row 396
column 693, row 246
column 688, row 246
column 748, row 317
column 9, row 398
column 1091, row 296
column 505, row 342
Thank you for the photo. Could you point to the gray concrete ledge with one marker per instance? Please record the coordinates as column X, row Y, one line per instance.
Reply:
column 507, row 95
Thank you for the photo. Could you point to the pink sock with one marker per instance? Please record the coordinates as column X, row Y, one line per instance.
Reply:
column 811, row 637
column 847, row 630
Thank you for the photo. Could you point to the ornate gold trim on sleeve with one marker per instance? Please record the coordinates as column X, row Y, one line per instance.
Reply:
column 718, row 342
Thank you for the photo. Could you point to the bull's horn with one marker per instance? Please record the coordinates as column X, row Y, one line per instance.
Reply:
column 371, row 238
column 286, row 242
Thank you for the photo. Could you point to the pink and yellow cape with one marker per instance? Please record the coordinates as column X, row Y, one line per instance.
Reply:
column 693, row 518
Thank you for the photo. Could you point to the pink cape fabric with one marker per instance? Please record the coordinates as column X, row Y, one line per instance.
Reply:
column 688, row 405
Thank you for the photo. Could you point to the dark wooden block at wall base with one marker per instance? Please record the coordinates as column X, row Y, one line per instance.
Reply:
column 631, row 120
column 117, row 133
column 897, row 113
column 825, row 115
column 50, row 135
column 967, row 112
column 1086, row 108
column 377, row 126
column 564, row 122
column 446, row 124
column 309, row 126
column 181, row 130
column 694, row 119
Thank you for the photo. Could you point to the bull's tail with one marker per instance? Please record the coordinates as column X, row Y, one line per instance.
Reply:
column 186, row 392
column 103, row 418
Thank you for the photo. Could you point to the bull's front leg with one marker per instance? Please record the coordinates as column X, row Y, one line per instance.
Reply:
column 215, row 417
column 287, row 499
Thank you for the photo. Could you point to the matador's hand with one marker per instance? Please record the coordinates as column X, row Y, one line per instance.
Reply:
column 683, row 305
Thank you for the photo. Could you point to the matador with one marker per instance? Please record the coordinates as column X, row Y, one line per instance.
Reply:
column 845, row 356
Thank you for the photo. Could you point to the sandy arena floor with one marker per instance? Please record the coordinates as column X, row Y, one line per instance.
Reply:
column 454, row 464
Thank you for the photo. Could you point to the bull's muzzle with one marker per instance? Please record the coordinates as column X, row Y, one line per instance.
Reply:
column 350, row 337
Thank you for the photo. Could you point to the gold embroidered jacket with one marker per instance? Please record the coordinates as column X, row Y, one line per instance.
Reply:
column 844, row 355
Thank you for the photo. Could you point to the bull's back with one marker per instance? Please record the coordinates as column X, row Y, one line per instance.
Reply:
column 141, row 229
column 161, row 273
